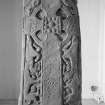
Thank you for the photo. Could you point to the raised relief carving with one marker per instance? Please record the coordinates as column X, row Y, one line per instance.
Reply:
column 33, row 83
column 52, row 25
column 69, row 46
column 31, row 6
column 33, row 70
column 52, row 64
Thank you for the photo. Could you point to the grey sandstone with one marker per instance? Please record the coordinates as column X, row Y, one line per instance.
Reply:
column 51, row 60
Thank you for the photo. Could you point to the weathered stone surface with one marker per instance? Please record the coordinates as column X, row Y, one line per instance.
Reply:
column 51, row 70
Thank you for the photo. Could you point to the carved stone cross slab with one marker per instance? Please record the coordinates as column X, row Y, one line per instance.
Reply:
column 51, row 70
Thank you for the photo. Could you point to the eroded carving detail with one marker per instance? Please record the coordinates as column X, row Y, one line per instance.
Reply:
column 71, row 82
column 33, row 81
column 63, row 26
column 33, row 65
column 31, row 5
column 70, row 42
column 52, row 25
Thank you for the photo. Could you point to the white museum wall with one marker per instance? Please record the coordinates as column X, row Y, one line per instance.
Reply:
column 10, row 45
column 92, row 34
column 89, row 23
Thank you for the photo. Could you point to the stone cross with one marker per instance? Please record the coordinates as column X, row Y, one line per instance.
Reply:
column 51, row 70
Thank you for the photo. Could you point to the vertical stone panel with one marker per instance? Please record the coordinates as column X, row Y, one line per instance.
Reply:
column 51, row 73
column 52, row 93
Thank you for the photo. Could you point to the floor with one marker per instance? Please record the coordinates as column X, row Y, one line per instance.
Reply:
column 84, row 102
column 90, row 102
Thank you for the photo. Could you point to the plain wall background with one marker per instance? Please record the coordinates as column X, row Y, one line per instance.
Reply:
column 90, row 24
column 10, row 45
